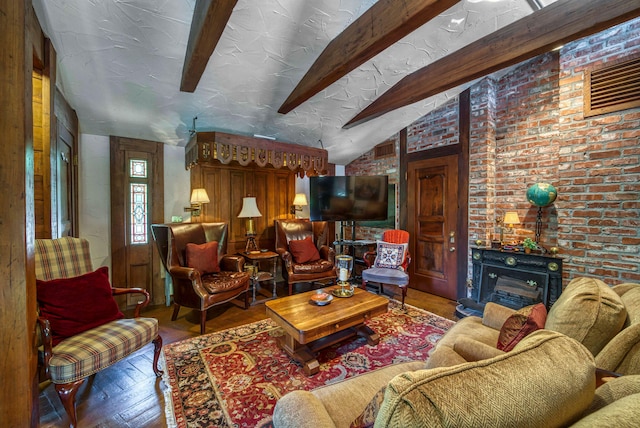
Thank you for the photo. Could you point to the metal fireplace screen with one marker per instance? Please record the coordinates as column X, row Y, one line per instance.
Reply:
column 512, row 288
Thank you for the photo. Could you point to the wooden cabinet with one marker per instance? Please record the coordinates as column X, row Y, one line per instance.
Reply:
column 226, row 185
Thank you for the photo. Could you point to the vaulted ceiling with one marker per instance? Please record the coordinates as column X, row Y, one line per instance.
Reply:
column 343, row 75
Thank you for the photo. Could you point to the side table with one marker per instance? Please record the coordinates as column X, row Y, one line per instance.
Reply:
column 257, row 260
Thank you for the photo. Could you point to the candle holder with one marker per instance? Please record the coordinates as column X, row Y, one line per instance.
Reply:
column 344, row 266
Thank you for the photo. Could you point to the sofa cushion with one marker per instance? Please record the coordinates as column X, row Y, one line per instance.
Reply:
column 523, row 322
column 389, row 256
column 622, row 413
column 203, row 257
column 73, row 305
column 613, row 390
column 589, row 311
column 470, row 395
column 88, row 352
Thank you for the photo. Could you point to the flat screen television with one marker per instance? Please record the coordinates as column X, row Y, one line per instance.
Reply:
column 349, row 198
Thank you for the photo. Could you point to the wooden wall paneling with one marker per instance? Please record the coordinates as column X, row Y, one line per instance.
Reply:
column 18, row 365
column 227, row 185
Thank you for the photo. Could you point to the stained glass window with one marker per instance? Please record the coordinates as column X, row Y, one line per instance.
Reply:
column 138, row 168
column 138, row 213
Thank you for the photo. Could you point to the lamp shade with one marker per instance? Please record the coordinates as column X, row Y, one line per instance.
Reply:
column 199, row 196
column 511, row 218
column 249, row 208
column 300, row 199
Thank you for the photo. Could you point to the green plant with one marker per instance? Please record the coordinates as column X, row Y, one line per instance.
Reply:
column 529, row 243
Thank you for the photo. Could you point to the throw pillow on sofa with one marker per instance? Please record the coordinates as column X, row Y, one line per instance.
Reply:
column 74, row 305
column 523, row 322
column 589, row 311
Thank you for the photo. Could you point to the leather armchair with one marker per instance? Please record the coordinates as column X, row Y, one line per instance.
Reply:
column 293, row 272
column 190, row 288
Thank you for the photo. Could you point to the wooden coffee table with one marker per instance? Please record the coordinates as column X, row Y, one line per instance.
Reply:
column 309, row 328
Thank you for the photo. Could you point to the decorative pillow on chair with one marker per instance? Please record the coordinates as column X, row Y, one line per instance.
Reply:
column 389, row 255
column 203, row 257
column 74, row 305
column 523, row 322
column 304, row 250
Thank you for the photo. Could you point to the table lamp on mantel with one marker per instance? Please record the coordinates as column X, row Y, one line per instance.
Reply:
column 249, row 211
column 510, row 220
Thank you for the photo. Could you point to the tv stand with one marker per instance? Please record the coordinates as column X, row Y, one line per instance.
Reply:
column 349, row 246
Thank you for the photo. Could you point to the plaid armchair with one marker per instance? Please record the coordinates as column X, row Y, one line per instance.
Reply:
column 75, row 358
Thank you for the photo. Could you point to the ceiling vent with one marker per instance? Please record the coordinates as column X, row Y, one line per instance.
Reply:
column 612, row 88
column 385, row 150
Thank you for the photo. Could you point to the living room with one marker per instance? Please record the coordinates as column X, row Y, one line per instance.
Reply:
column 520, row 133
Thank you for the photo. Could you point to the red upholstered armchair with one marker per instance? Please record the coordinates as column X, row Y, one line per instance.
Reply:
column 296, row 241
column 199, row 283
column 389, row 263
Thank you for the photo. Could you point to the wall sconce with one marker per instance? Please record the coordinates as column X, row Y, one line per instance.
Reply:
column 299, row 201
column 198, row 197
column 249, row 211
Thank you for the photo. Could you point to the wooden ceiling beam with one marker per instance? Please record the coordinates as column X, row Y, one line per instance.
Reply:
column 386, row 22
column 209, row 20
column 540, row 32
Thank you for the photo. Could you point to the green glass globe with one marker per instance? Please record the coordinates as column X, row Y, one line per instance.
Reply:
column 541, row 194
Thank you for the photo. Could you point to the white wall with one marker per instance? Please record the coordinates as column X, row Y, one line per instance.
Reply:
column 94, row 192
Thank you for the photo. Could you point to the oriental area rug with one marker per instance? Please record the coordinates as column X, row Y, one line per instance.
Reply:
column 234, row 377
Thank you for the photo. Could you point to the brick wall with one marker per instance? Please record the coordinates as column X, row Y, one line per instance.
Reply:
column 366, row 164
column 528, row 127
column 599, row 167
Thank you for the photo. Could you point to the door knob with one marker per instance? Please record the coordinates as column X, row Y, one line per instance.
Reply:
column 452, row 249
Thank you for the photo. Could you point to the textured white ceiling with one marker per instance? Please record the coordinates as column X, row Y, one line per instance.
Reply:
column 120, row 65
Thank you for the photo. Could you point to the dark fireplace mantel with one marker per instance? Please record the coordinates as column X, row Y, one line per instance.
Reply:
column 512, row 279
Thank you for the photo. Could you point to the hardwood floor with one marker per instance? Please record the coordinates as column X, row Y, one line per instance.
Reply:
column 129, row 395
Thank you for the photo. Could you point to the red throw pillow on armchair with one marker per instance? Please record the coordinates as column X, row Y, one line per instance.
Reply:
column 203, row 257
column 74, row 305
column 304, row 250
column 523, row 322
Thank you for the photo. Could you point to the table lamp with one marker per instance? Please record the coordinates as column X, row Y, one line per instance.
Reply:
column 249, row 211
column 510, row 220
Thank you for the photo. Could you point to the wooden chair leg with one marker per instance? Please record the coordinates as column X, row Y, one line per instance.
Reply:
column 176, row 308
column 290, row 288
column 404, row 294
column 203, row 321
column 67, row 393
column 157, row 347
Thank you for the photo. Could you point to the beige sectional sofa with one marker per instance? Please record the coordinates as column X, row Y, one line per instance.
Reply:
column 547, row 380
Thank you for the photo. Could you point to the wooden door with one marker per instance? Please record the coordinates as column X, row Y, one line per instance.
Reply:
column 65, row 183
column 137, row 201
column 432, row 213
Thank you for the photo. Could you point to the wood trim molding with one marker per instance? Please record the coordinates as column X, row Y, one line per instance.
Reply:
column 218, row 146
